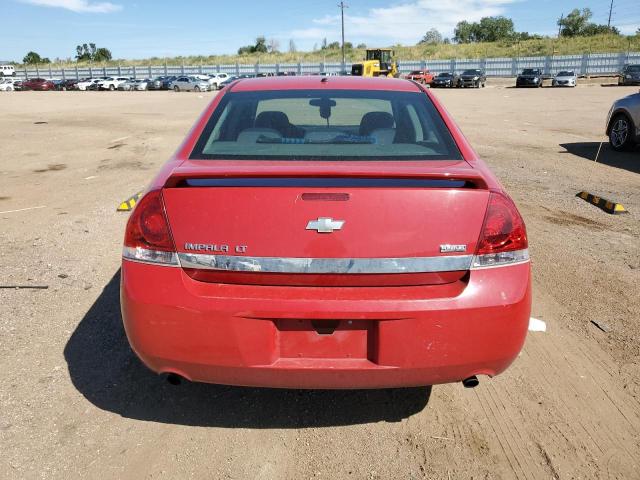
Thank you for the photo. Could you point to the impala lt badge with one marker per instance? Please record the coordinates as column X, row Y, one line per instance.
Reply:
column 446, row 248
column 325, row 225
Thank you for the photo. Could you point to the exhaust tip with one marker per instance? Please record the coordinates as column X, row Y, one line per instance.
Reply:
column 174, row 379
column 471, row 382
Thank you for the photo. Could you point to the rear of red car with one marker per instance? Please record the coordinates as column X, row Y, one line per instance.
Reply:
column 326, row 234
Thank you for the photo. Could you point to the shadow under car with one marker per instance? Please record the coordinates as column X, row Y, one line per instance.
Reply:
column 105, row 370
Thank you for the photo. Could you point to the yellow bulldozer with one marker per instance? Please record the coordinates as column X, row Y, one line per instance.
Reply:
column 378, row 63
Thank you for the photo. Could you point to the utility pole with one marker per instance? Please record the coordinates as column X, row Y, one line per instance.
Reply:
column 610, row 10
column 342, row 6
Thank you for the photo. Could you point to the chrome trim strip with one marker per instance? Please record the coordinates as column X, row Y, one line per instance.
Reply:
column 325, row 265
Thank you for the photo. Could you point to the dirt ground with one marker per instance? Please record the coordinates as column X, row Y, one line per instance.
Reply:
column 76, row 403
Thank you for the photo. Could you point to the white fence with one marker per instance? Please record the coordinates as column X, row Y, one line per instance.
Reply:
column 587, row 64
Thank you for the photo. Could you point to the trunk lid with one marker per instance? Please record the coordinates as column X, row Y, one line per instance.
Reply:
column 385, row 228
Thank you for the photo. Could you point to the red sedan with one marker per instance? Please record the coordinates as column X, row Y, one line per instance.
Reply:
column 326, row 233
column 38, row 84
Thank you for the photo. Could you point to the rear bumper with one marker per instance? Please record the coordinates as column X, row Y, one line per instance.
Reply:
column 385, row 337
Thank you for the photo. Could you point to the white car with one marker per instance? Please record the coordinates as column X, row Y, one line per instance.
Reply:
column 112, row 83
column 7, row 71
column 217, row 78
column 6, row 85
column 565, row 78
column 85, row 84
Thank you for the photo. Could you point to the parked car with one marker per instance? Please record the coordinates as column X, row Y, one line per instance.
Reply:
column 189, row 84
column 85, row 83
column 623, row 123
column 70, row 84
column 630, row 75
column 530, row 77
column 167, row 81
column 446, row 79
column 111, row 83
column 9, row 84
column 473, row 78
column 7, row 71
column 228, row 81
column 565, row 78
column 58, row 84
column 420, row 76
column 127, row 86
column 40, row 84
column 218, row 78
column 134, row 84
column 314, row 277
column 142, row 85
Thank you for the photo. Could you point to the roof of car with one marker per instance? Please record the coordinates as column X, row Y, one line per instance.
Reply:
column 329, row 83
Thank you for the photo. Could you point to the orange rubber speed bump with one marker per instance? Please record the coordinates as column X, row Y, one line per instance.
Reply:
column 602, row 203
column 129, row 203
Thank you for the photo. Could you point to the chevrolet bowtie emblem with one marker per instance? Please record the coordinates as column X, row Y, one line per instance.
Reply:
column 325, row 225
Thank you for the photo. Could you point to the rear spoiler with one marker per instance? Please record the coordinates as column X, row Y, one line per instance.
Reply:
column 190, row 175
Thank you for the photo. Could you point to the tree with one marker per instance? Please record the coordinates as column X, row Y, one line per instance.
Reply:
column 89, row 52
column 574, row 24
column 292, row 46
column 492, row 29
column 348, row 46
column 274, row 45
column 31, row 58
column 259, row 47
column 594, row 29
column 577, row 24
column 465, row 32
column 102, row 55
column 361, row 45
column 432, row 37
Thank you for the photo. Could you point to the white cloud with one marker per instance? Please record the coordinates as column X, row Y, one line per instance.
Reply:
column 403, row 23
column 628, row 28
column 80, row 6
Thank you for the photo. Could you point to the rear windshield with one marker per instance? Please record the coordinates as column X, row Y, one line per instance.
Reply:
column 326, row 125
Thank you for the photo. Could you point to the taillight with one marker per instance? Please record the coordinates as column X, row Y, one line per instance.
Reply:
column 148, row 237
column 504, row 236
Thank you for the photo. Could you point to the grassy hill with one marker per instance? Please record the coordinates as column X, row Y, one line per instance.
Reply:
column 541, row 47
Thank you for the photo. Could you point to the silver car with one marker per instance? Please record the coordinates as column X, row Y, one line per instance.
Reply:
column 623, row 123
column 565, row 78
column 189, row 84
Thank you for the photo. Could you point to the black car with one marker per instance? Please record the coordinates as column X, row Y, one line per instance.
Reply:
column 630, row 75
column 228, row 81
column 166, row 82
column 446, row 79
column 69, row 84
column 473, row 78
column 530, row 77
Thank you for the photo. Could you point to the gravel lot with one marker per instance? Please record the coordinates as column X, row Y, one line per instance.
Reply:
column 76, row 403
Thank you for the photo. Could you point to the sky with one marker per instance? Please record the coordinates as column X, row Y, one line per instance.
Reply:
column 162, row 28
